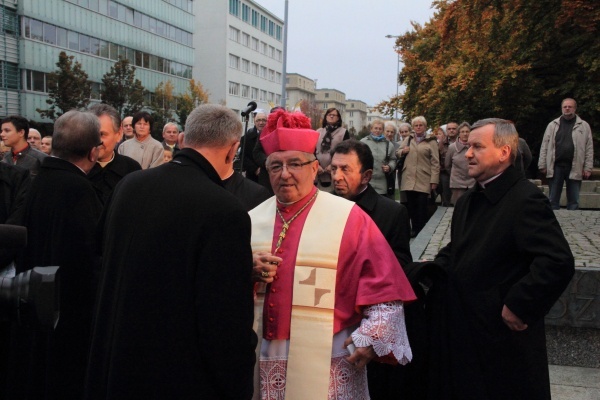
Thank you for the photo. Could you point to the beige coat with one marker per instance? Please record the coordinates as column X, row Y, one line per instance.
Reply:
column 583, row 159
column 422, row 165
column 458, row 165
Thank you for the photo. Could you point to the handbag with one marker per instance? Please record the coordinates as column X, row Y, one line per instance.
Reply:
column 402, row 158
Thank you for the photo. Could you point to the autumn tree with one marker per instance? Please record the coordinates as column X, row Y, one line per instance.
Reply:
column 162, row 105
column 312, row 110
column 121, row 90
column 68, row 88
column 513, row 59
column 189, row 100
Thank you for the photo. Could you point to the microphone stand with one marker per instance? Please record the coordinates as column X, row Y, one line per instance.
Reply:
column 243, row 142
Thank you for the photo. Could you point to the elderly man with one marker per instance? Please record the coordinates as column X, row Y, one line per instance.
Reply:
column 143, row 148
column 127, row 125
column 507, row 263
column 174, row 314
column 61, row 213
column 567, row 155
column 111, row 167
column 251, row 167
column 351, row 170
column 324, row 268
column 170, row 134
column 14, row 135
column 34, row 138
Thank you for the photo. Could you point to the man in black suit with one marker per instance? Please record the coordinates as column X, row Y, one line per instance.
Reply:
column 351, row 171
column 249, row 165
column 506, row 264
column 175, row 309
column 61, row 213
column 111, row 166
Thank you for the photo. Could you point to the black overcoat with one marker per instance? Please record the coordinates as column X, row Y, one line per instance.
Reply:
column 105, row 179
column 61, row 213
column 506, row 248
column 175, row 310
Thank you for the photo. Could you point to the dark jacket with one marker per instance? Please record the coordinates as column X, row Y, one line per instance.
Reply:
column 175, row 309
column 14, row 184
column 260, row 158
column 392, row 220
column 249, row 193
column 175, row 148
column 30, row 159
column 105, row 179
column 506, row 248
column 61, row 213
column 248, row 163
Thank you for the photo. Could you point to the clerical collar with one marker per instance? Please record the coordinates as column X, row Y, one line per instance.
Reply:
column 105, row 163
column 482, row 184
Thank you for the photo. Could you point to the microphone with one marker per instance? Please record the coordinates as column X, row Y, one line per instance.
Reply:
column 251, row 107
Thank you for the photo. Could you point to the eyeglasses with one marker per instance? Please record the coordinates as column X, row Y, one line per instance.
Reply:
column 291, row 167
column 260, row 120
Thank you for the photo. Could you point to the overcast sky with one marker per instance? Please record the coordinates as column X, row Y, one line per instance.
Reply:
column 342, row 43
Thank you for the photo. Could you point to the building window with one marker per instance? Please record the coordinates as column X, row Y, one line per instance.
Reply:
column 245, row 12
column 254, row 93
column 234, row 61
column 278, row 77
column 271, row 97
column 255, row 44
column 255, row 16
column 245, row 91
column 246, row 39
column 351, row 113
column 351, row 123
column 245, row 65
column 9, row 75
column 263, row 72
column 278, row 33
column 234, row 34
column 263, row 95
column 234, row 7
column 9, row 21
column 271, row 28
column 326, row 95
column 234, row 88
column 271, row 75
column 263, row 48
column 263, row 23
column 325, row 106
column 255, row 69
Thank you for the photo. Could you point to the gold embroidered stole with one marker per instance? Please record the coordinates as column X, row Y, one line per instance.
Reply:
column 313, row 302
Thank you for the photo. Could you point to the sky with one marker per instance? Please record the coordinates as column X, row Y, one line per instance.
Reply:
column 342, row 43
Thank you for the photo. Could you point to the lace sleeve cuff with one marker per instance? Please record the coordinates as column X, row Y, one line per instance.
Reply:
column 383, row 328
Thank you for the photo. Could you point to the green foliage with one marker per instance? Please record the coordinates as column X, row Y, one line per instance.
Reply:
column 68, row 88
column 189, row 100
column 162, row 106
column 513, row 59
column 121, row 89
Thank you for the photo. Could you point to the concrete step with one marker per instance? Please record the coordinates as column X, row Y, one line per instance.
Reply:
column 574, row 383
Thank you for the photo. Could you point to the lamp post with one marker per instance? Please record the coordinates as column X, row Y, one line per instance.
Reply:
column 397, row 77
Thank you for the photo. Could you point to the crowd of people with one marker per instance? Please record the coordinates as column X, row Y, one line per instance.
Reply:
column 289, row 275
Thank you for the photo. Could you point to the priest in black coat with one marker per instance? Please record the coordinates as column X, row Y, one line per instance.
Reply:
column 506, row 265
column 61, row 213
column 175, row 310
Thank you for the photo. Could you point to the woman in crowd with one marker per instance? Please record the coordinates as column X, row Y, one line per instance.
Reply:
column 383, row 156
column 391, row 133
column 458, row 165
column 404, row 130
column 420, row 173
column 330, row 134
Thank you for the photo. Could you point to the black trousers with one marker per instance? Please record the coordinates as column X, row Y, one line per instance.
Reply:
column 417, row 209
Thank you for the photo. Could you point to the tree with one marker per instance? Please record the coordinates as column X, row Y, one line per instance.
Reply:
column 121, row 89
column 68, row 88
column 512, row 59
column 189, row 100
column 162, row 105
column 312, row 110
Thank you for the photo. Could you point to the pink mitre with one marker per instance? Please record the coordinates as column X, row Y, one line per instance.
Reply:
column 288, row 131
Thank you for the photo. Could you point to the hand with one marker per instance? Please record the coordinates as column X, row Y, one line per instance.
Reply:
column 543, row 171
column 385, row 168
column 263, row 261
column 361, row 356
column 587, row 174
column 434, row 186
column 406, row 150
column 513, row 322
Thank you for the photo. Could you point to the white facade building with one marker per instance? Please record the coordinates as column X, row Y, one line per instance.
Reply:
column 355, row 115
column 238, row 53
column 331, row 98
column 297, row 88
